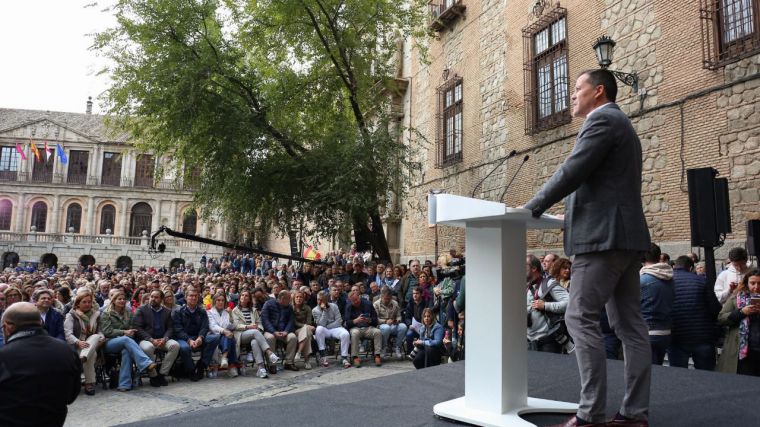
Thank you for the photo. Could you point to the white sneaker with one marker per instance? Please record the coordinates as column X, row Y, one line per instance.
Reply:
column 224, row 363
column 307, row 365
column 273, row 358
column 232, row 372
column 249, row 357
column 242, row 370
column 262, row 373
column 397, row 354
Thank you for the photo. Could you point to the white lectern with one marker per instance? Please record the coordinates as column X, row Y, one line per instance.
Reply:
column 496, row 378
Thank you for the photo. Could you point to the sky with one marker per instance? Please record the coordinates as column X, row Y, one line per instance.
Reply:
column 45, row 63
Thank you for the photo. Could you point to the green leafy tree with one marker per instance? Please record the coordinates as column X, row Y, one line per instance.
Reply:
column 277, row 111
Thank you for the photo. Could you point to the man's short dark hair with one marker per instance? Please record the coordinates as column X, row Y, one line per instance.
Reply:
column 653, row 254
column 534, row 262
column 737, row 254
column 602, row 77
column 685, row 262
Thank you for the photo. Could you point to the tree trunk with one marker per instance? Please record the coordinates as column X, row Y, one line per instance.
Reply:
column 373, row 236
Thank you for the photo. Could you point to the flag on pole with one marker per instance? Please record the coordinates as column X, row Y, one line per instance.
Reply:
column 35, row 151
column 21, row 152
column 48, row 152
column 61, row 154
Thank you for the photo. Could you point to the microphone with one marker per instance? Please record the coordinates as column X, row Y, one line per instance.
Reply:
column 509, row 156
column 525, row 159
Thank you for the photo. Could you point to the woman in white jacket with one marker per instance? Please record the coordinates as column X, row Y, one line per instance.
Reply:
column 220, row 323
column 246, row 321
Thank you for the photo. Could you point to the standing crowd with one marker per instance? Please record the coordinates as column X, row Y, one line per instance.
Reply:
column 716, row 325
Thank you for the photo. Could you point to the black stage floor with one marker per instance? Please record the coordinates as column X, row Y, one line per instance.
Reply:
column 679, row 397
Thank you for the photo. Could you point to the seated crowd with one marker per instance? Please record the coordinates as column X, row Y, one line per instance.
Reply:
column 186, row 323
column 717, row 325
column 233, row 316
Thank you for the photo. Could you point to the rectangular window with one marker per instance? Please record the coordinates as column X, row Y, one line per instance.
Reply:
column 43, row 171
column 729, row 31
column 547, row 85
column 111, row 169
column 144, row 171
column 8, row 163
column 78, row 167
column 450, row 123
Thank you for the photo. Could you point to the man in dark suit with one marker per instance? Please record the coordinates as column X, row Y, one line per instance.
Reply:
column 52, row 320
column 606, row 230
column 155, row 330
column 39, row 375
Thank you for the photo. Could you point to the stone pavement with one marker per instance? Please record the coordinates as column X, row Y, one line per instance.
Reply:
column 110, row 407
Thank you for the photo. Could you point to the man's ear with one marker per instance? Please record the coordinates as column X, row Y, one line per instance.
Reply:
column 599, row 93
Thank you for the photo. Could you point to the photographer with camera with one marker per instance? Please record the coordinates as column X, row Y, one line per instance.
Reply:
column 546, row 304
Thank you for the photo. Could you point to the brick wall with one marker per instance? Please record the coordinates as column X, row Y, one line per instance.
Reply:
column 658, row 39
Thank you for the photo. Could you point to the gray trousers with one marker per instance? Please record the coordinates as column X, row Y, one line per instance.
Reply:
column 609, row 279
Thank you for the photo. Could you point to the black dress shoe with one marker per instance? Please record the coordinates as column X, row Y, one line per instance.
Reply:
column 162, row 380
column 154, row 382
column 575, row 422
column 291, row 367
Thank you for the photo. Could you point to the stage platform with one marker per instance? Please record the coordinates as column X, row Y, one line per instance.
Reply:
column 679, row 397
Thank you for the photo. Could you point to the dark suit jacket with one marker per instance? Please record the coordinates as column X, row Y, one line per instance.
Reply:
column 54, row 324
column 602, row 176
column 143, row 322
column 189, row 324
column 39, row 376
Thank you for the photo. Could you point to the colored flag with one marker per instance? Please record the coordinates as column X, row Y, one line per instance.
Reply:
column 61, row 154
column 48, row 152
column 21, row 152
column 36, row 151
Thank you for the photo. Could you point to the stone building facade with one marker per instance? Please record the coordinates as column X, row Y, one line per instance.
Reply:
column 697, row 106
column 99, row 206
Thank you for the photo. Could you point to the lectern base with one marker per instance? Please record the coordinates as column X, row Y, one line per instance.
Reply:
column 456, row 410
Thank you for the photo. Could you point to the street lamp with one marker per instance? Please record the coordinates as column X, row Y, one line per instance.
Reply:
column 604, row 47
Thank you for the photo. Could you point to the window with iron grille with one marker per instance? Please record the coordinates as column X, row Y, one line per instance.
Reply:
column 142, row 217
column 6, row 210
column 39, row 216
column 107, row 218
column 730, row 31
column 74, row 217
column 8, row 163
column 78, row 167
column 144, row 170
column 111, row 169
column 43, row 170
column 190, row 222
column 547, row 85
column 450, row 122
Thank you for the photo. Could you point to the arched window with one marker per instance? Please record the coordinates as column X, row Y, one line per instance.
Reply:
column 107, row 218
column 39, row 216
column 6, row 210
column 190, row 221
column 142, row 217
column 74, row 217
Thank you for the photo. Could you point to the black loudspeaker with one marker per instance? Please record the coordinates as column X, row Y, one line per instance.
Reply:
column 709, row 207
column 753, row 237
column 722, row 206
